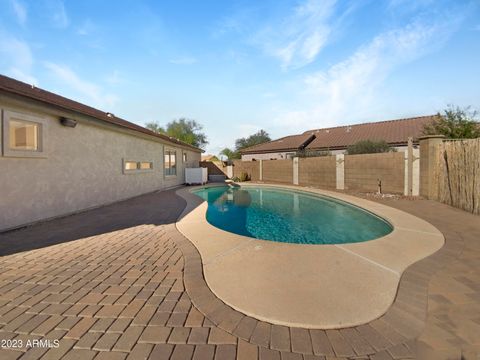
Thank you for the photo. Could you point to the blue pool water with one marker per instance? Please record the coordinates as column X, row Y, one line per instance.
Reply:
column 289, row 216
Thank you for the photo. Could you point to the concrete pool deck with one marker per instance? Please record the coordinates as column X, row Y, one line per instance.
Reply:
column 120, row 282
column 308, row 286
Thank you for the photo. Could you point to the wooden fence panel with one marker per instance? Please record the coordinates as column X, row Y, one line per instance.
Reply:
column 457, row 174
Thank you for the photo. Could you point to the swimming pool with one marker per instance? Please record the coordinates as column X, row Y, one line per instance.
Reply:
column 289, row 216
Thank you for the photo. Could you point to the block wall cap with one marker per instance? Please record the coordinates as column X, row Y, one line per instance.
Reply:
column 425, row 137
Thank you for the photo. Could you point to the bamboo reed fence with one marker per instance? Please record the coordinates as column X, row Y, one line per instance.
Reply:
column 457, row 174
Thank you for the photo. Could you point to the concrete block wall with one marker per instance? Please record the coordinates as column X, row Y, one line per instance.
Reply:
column 362, row 172
column 252, row 168
column 399, row 172
column 214, row 167
column 318, row 172
column 280, row 171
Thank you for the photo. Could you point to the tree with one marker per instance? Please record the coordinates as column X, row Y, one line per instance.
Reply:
column 455, row 123
column 259, row 137
column 155, row 127
column 188, row 131
column 183, row 129
column 369, row 147
column 230, row 154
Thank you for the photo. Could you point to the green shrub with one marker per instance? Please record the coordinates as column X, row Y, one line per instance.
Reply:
column 244, row 177
column 369, row 147
column 455, row 123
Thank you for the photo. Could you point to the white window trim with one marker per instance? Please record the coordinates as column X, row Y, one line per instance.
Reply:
column 42, row 136
column 137, row 170
column 176, row 163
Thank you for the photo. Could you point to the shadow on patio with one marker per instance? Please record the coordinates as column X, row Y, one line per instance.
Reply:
column 159, row 208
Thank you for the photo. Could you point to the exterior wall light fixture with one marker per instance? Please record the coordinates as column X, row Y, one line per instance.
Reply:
column 68, row 122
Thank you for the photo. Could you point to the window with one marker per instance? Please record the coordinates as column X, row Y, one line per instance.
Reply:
column 146, row 165
column 130, row 167
column 184, row 157
column 23, row 135
column 170, row 162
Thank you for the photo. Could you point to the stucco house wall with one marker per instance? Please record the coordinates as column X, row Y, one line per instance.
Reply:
column 81, row 167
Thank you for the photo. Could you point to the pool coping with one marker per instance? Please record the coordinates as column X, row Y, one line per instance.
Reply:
column 194, row 204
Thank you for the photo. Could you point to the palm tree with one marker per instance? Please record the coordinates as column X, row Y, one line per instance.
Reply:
column 230, row 154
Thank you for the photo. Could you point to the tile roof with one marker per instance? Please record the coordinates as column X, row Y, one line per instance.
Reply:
column 209, row 157
column 20, row 88
column 287, row 143
column 394, row 132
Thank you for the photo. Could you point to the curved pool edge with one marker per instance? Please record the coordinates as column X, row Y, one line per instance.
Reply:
column 232, row 263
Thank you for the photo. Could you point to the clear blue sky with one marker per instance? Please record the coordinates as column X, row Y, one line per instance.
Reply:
column 240, row 66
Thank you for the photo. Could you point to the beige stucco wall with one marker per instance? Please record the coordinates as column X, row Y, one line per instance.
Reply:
column 82, row 167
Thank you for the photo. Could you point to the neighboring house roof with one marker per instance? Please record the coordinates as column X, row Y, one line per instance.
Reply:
column 287, row 143
column 394, row 132
column 209, row 158
column 20, row 88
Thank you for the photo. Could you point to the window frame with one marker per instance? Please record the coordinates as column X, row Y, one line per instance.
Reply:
column 170, row 152
column 138, row 163
column 184, row 157
column 7, row 116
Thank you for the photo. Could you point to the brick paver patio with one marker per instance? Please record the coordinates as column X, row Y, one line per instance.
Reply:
column 120, row 282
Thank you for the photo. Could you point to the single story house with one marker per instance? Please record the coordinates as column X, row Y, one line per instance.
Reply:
column 58, row 156
column 337, row 139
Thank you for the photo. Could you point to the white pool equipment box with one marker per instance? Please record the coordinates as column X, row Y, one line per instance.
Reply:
column 196, row 175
